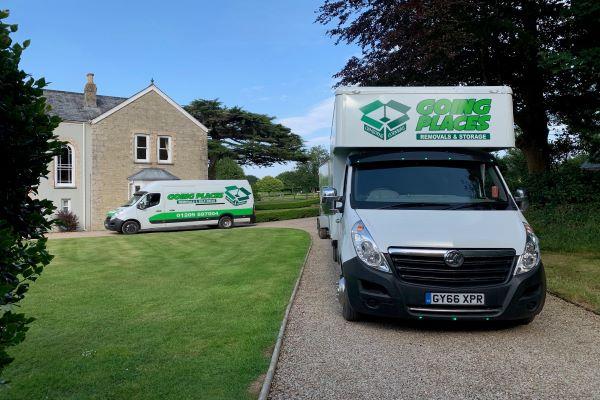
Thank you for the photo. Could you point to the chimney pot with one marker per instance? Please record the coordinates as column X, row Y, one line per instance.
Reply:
column 89, row 92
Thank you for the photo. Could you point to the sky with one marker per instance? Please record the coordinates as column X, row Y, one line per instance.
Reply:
column 266, row 56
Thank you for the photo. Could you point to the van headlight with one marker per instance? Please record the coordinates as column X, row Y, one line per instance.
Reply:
column 531, row 255
column 366, row 249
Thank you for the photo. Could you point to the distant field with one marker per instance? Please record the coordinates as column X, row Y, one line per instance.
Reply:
column 178, row 315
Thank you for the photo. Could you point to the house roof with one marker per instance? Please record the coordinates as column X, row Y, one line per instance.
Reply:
column 151, row 88
column 69, row 106
column 152, row 174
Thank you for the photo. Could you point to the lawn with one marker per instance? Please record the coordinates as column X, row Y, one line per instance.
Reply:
column 172, row 315
column 570, row 242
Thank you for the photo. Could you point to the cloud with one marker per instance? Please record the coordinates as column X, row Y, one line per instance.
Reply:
column 317, row 118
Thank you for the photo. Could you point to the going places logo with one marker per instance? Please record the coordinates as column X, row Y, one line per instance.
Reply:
column 236, row 195
column 384, row 120
column 438, row 119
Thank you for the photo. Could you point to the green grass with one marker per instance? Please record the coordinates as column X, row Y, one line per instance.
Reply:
column 575, row 277
column 175, row 315
column 570, row 241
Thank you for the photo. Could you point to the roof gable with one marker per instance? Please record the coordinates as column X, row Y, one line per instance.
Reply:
column 151, row 88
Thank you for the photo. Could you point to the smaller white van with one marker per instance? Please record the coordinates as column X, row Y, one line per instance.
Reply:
column 184, row 204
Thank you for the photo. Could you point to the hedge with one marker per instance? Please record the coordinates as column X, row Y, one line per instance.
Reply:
column 280, row 215
column 283, row 205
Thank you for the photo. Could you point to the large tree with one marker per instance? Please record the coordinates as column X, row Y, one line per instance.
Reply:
column 529, row 45
column 27, row 146
column 245, row 137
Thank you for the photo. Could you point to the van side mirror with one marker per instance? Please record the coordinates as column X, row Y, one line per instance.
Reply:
column 328, row 193
column 521, row 199
column 141, row 205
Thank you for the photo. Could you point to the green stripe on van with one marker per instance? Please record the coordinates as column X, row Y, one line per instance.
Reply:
column 194, row 215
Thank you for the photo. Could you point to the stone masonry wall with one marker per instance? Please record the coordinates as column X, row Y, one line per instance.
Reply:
column 113, row 150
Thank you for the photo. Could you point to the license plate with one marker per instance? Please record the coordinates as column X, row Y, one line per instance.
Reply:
column 455, row 298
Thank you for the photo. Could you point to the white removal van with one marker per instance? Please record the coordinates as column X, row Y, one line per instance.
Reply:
column 421, row 221
column 180, row 204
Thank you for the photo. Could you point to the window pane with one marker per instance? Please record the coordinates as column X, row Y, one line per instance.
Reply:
column 141, row 141
column 163, row 155
column 141, row 154
column 164, row 142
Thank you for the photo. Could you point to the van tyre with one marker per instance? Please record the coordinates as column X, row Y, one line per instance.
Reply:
column 130, row 227
column 347, row 311
column 525, row 321
column 225, row 222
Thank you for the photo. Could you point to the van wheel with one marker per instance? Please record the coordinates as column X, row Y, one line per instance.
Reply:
column 130, row 227
column 225, row 222
column 525, row 321
column 347, row 311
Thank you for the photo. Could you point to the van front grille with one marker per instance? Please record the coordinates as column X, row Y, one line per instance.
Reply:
column 427, row 266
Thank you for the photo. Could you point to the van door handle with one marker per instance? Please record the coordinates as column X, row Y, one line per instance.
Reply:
column 172, row 209
column 158, row 210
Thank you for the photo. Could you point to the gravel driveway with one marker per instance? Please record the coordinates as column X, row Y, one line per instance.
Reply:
column 324, row 357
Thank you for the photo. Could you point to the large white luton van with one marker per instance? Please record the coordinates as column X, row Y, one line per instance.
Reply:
column 421, row 221
column 184, row 204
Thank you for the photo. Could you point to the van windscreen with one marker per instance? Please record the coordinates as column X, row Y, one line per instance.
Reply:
column 134, row 199
column 440, row 185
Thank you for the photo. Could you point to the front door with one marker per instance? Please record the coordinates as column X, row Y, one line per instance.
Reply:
column 149, row 209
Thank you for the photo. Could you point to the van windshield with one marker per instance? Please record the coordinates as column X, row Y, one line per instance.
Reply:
column 134, row 199
column 435, row 185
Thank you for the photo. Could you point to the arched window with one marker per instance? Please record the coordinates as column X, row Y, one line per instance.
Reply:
column 63, row 170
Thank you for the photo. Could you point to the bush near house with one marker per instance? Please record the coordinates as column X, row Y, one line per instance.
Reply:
column 67, row 221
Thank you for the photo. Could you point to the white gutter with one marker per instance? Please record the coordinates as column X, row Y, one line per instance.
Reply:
column 84, row 169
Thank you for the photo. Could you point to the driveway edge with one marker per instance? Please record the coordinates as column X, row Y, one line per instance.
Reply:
column 266, row 387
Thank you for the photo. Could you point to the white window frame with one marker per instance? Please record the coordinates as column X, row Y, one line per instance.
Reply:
column 135, row 148
column 62, row 204
column 169, row 149
column 58, row 166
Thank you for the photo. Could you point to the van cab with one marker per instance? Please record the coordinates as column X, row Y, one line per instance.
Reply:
column 422, row 224
column 184, row 204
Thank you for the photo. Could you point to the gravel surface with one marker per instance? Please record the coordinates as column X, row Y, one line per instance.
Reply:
column 324, row 357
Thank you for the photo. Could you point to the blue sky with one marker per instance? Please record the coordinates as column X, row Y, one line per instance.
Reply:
column 266, row 56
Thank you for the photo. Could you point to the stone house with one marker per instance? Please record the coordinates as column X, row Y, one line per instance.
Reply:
column 116, row 145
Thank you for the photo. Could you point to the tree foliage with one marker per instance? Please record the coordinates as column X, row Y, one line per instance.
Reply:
column 27, row 145
column 546, row 50
column 245, row 137
column 228, row 169
column 305, row 177
column 268, row 184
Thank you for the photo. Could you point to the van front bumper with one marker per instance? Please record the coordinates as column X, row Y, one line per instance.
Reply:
column 384, row 294
column 113, row 224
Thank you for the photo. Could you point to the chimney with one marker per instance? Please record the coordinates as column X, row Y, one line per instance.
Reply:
column 89, row 92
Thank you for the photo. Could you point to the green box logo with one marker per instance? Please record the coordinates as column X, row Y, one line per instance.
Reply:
column 384, row 120
column 237, row 195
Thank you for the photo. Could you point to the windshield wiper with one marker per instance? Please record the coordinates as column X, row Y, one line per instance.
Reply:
column 498, row 205
column 411, row 205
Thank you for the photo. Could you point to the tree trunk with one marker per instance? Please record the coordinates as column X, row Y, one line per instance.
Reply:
column 212, row 168
column 537, row 159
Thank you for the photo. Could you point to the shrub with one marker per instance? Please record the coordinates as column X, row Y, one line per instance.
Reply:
column 268, row 184
column 27, row 145
column 67, row 221
column 280, row 215
column 287, row 204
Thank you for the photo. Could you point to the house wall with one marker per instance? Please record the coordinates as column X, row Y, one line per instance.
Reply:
column 71, row 132
column 112, row 155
